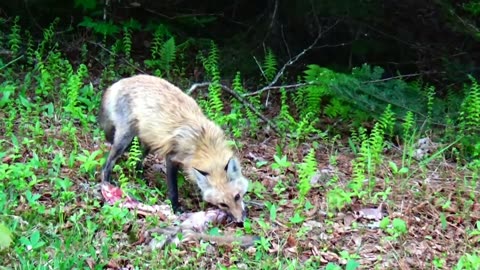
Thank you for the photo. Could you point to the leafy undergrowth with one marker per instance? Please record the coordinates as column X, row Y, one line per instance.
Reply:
column 51, row 202
column 317, row 200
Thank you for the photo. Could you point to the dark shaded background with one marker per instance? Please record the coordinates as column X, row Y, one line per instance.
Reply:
column 434, row 38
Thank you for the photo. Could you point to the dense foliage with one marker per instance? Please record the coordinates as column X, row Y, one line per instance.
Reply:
column 311, row 93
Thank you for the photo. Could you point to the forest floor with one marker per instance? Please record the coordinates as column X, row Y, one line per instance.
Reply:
column 437, row 202
column 413, row 214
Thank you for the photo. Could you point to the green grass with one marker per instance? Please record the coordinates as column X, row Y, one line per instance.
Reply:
column 51, row 152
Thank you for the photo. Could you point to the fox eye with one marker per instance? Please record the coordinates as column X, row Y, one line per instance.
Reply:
column 237, row 197
column 202, row 172
column 223, row 205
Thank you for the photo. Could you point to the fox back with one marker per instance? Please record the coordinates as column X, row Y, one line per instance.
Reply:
column 170, row 123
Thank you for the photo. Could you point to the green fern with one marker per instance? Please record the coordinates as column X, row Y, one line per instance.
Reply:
column 235, row 117
column 100, row 27
column 45, row 81
column 127, row 42
column 358, row 178
column 470, row 109
column 269, row 65
column 158, row 36
column 306, row 170
column 237, row 85
column 251, row 120
column 134, row 156
column 48, row 35
column 210, row 63
column 308, row 98
column 336, row 108
column 430, row 94
column 408, row 125
column 286, row 120
column 168, row 54
column 409, row 133
column 74, row 84
column 30, row 52
column 14, row 39
column 305, row 127
column 163, row 54
column 370, row 152
column 469, row 119
column 387, row 120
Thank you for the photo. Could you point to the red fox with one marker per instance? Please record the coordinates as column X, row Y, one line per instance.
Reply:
column 170, row 123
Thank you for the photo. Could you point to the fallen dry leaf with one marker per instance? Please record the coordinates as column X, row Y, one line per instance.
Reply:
column 291, row 242
column 90, row 262
column 113, row 264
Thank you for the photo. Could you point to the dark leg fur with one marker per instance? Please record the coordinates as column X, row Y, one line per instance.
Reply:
column 172, row 183
column 110, row 134
column 121, row 142
column 107, row 126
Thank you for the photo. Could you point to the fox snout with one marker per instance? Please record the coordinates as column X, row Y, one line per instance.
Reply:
column 239, row 218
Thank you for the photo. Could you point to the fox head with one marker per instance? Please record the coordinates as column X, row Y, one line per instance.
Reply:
column 225, row 188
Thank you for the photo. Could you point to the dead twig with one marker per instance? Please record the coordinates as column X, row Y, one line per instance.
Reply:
column 293, row 61
column 111, row 53
column 239, row 98
column 279, row 87
column 11, row 62
column 393, row 78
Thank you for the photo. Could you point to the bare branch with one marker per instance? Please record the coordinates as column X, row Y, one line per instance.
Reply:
column 195, row 86
column 274, row 15
column 278, row 87
column 11, row 62
column 294, row 59
column 285, row 43
column 112, row 53
column 239, row 98
column 394, row 78
column 260, row 67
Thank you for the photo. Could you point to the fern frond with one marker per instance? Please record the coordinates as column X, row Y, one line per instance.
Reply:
column 168, row 54
column 48, row 35
column 210, row 63
column 127, row 41
column 14, row 39
column 387, row 120
column 215, row 104
column 286, row 119
column 134, row 155
column 251, row 120
column 470, row 109
column 408, row 124
column 30, row 52
column 269, row 65
column 306, row 170
column 430, row 94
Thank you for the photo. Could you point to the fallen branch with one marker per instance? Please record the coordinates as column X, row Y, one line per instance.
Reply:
column 293, row 60
column 239, row 98
column 11, row 62
column 279, row 87
column 270, row 86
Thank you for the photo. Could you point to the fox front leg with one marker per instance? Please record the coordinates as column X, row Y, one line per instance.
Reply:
column 172, row 183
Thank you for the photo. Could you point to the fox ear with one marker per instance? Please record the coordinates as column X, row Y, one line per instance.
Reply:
column 233, row 169
column 201, row 178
